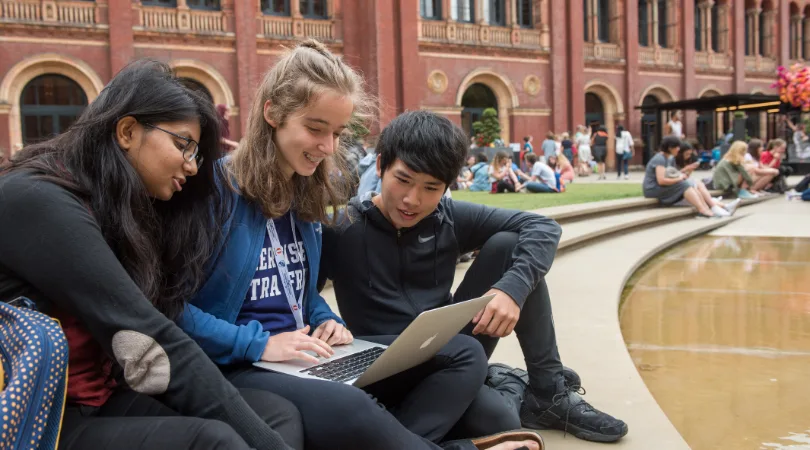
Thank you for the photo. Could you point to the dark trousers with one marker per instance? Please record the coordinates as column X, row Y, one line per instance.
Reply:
column 420, row 404
column 622, row 163
column 132, row 421
column 489, row 413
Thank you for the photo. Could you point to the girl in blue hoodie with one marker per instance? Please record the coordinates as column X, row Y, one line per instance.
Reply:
column 261, row 303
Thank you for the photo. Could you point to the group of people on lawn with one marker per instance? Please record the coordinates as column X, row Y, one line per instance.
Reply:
column 172, row 270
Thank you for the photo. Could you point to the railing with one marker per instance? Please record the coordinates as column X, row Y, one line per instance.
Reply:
column 712, row 60
column 760, row 64
column 173, row 19
column 289, row 28
column 477, row 34
column 659, row 56
column 602, row 51
column 49, row 12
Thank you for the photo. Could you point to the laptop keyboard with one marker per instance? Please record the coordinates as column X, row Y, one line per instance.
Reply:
column 345, row 368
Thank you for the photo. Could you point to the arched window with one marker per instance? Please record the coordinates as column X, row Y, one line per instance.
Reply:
column 49, row 105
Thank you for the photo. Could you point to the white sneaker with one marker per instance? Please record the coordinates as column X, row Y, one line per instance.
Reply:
column 718, row 199
column 731, row 207
column 720, row 212
column 627, row 177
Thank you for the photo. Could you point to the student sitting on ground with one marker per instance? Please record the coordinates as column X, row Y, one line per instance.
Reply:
column 501, row 175
column 260, row 301
column 107, row 227
column 762, row 175
column 565, row 170
column 686, row 162
column 480, row 174
column 395, row 254
column 543, row 179
column 465, row 177
column 730, row 175
column 664, row 182
column 772, row 157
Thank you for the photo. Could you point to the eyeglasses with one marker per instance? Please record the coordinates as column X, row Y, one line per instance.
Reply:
column 191, row 151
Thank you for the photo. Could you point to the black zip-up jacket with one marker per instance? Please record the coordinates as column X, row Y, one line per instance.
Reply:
column 52, row 251
column 384, row 277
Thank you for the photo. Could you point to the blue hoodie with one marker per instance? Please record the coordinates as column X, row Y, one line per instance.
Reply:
column 210, row 316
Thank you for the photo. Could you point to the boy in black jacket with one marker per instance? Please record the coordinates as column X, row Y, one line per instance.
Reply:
column 395, row 256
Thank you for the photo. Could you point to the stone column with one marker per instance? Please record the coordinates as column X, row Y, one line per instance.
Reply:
column 780, row 45
column 446, row 16
column 768, row 33
column 796, row 36
column 576, row 67
column 558, row 67
column 545, row 40
column 632, row 88
column 412, row 83
column 594, row 20
column 723, row 33
column 6, row 146
column 122, row 41
column 479, row 12
column 654, row 24
column 688, row 49
column 245, row 17
column 737, row 44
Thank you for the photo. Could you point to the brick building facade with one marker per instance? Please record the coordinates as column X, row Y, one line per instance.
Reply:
column 545, row 64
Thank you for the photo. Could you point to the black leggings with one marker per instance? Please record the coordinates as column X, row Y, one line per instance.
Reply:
column 420, row 405
column 132, row 421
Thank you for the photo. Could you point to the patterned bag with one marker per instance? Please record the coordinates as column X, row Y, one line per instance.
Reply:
column 34, row 357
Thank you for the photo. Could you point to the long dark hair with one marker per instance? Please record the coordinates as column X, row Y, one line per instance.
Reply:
column 162, row 245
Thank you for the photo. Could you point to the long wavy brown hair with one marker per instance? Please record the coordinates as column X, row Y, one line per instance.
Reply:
column 292, row 84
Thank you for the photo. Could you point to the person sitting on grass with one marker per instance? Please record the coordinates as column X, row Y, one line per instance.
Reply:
column 394, row 256
column 543, row 179
column 730, row 175
column 480, row 174
column 501, row 175
column 664, row 182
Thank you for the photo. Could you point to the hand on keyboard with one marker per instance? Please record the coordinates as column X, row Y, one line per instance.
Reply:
column 291, row 345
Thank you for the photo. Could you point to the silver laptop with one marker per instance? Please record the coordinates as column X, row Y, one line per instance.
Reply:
column 362, row 362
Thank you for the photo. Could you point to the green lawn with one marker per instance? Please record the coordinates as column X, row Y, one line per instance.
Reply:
column 574, row 193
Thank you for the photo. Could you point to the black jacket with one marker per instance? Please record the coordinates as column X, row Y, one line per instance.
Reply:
column 383, row 277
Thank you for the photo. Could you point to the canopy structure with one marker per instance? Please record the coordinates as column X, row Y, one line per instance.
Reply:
column 721, row 103
column 758, row 117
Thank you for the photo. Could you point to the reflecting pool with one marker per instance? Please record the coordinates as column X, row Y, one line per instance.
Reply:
column 719, row 329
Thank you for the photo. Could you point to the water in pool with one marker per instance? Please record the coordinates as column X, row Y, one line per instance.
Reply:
column 719, row 329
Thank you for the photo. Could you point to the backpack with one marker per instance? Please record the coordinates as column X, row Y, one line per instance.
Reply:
column 34, row 360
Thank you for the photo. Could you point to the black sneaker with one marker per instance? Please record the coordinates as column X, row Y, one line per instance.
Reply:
column 569, row 412
column 511, row 382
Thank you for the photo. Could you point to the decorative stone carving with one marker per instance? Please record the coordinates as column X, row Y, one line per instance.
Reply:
column 531, row 84
column 437, row 81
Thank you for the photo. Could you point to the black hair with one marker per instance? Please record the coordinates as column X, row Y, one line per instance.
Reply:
column 162, row 245
column 526, row 139
column 481, row 157
column 680, row 158
column 669, row 142
column 425, row 142
column 619, row 129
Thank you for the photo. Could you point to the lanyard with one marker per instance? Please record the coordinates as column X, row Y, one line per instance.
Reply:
column 283, row 273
